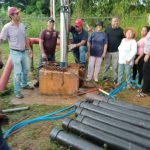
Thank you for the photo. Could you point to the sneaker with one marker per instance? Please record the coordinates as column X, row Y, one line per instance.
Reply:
column 88, row 79
column 36, row 84
column 128, row 87
column 115, row 81
column 117, row 84
column 19, row 96
column 96, row 80
column 139, row 86
column 133, row 81
column 28, row 87
column 105, row 79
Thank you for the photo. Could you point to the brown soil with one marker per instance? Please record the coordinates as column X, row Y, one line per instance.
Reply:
column 34, row 97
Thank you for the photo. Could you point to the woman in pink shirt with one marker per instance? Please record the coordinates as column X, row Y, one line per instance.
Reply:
column 139, row 59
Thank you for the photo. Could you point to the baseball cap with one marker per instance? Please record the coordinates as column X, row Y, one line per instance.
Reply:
column 50, row 19
column 79, row 23
column 12, row 10
column 99, row 23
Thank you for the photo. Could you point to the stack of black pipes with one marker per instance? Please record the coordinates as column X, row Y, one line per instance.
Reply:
column 102, row 124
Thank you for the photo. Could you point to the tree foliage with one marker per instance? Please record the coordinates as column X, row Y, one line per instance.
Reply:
column 84, row 7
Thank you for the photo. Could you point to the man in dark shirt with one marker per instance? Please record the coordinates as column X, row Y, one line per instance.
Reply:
column 47, row 43
column 115, row 35
column 79, row 45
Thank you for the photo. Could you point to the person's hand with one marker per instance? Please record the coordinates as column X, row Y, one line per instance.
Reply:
column 88, row 56
column 30, row 53
column 136, row 61
column 71, row 46
column 103, row 56
column 127, row 62
column 44, row 57
column 146, row 58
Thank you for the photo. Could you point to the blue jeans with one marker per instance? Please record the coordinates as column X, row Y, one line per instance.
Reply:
column 49, row 57
column 80, row 55
column 20, row 61
column 127, row 69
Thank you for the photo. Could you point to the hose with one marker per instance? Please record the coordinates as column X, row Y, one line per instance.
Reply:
column 49, row 117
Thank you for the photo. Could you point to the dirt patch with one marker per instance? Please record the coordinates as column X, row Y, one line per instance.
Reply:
column 130, row 96
column 34, row 97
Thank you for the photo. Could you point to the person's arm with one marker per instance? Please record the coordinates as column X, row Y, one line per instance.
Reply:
column 89, row 48
column 42, row 50
column 105, row 50
column 3, row 36
column 147, row 57
column 0, row 46
column 29, row 47
column 82, row 43
column 147, row 48
column 133, row 51
column 105, row 45
column 84, row 39
column 89, row 45
column 41, row 40
column 141, row 46
column 138, row 58
column 89, row 28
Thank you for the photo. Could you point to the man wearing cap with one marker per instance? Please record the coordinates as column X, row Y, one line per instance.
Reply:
column 15, row 33
column 79, row 45
column 47, row 43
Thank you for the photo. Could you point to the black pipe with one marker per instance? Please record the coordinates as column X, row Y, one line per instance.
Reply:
column 123, row 110
column 114, row 122
column 99, row 137
column 72, row 141
column 143, row 142
column 97, row 99
column 114, row 114
column 127, row 106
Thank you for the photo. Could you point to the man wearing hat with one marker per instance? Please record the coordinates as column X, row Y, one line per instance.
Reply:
column 79, row 43
column 47, row 43
column 15, row 33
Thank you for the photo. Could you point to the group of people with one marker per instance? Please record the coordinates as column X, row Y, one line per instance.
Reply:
column 116, row 46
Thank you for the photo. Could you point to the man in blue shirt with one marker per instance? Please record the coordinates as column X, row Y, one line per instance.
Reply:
column 79, row 45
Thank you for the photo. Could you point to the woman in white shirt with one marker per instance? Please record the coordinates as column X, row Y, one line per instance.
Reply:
column 127, row 52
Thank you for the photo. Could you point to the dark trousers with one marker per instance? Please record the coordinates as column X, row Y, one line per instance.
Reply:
column 146, row 77
column 138, row 68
